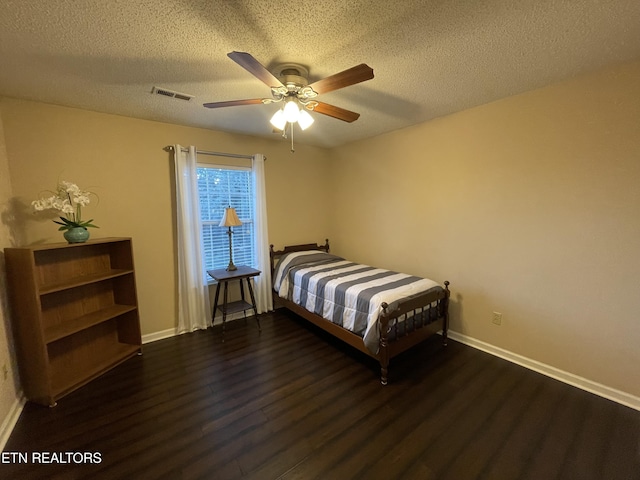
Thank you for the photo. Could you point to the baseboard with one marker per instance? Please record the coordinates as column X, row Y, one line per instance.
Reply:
column 609, row 393
column 155, row 336
column 172, row 332
column 11, row 419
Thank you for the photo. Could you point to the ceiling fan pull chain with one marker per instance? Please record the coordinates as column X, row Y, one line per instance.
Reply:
column 291, row 126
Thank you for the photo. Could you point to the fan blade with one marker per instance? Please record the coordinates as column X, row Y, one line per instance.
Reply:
column 233, row 103
column 336, row 112
column 255, row 68
column 357, row 74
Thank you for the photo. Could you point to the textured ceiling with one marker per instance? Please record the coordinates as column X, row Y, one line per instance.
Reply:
column 430, row 57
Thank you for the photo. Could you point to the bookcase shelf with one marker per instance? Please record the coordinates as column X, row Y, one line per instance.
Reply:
column 74, row 313
column 74, row 325
column 83, row 280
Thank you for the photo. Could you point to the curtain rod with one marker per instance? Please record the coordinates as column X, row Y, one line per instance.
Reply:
column 169, row 148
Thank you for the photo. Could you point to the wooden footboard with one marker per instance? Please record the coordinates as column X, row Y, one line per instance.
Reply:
column 412, row 321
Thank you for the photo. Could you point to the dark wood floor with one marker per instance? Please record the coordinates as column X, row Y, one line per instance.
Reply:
column 291, row 403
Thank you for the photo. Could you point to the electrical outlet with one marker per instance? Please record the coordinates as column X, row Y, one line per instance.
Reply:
column 497, row 318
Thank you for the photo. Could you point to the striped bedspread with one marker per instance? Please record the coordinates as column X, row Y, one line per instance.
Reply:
column 346, row 293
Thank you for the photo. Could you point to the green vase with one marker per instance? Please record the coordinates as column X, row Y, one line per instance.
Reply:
column 76, row 235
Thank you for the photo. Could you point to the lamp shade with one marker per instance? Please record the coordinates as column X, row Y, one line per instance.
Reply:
column 291, row 111
column 304, row 120
column 278, row 120
column 230, row 218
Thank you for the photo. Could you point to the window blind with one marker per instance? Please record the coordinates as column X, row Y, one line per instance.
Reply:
column 219, row 188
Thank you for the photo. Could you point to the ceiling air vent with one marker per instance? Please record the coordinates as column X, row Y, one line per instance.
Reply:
column 170, row 93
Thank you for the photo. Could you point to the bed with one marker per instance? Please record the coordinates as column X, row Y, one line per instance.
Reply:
column 380, row 312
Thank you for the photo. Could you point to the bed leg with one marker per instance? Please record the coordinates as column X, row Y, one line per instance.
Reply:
column 383, row 355
column 445, row 322
column 384, row 363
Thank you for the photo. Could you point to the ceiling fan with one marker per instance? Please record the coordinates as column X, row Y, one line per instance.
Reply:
column 295, row 91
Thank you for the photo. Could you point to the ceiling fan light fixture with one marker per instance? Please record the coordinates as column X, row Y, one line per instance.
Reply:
column 304, row 120
column 278, row 120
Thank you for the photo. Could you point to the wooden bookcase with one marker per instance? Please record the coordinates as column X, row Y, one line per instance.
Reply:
column 74, row 313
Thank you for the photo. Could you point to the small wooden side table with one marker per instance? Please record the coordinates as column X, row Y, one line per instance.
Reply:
column 223, row 277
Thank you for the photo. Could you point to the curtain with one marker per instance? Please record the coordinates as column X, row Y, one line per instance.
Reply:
column 264, row 297
column 193, row 294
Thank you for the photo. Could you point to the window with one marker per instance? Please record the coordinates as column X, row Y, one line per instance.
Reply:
column 220, row 187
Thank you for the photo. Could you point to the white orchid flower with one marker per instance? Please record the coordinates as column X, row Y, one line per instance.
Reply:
column 69, row 200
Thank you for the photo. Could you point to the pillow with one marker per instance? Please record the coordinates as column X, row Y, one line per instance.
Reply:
column 293, row 259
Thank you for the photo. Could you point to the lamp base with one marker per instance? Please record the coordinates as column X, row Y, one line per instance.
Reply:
column 231, row 266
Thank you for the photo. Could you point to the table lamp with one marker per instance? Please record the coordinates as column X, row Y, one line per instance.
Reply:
column 230, row 219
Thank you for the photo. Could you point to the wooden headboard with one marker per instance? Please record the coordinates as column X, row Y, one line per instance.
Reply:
column 276, row 254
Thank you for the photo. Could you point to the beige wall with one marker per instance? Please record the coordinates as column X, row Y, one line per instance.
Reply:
column 10, row 400
column 530, row 206
column 9, row 386
column 123, row 161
